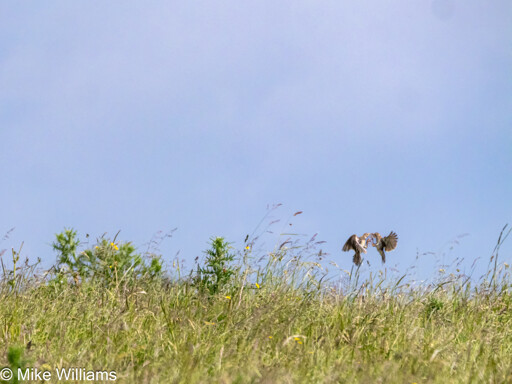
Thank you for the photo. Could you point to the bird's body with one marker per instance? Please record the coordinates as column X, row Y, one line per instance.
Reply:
column 363, row 240
column 382, row 244
column 358, row 245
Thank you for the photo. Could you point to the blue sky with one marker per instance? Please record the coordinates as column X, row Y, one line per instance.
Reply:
column 366, row 116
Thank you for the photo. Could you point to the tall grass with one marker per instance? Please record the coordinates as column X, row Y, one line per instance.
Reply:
column 277, row 320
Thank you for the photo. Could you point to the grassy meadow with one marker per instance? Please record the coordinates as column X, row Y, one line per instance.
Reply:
column 239, row 317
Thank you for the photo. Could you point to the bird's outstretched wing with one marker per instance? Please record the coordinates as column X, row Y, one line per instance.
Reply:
column 390, row 241
column 350, row 244
column 353, row 244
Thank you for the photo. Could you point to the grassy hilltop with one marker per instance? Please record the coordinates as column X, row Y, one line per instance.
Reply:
column 238, row 319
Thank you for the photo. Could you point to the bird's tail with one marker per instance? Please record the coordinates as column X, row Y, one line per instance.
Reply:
column 382, row 254
column 357, row 259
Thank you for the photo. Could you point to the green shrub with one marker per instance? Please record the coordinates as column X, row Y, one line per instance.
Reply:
column 217, row 271
column 108, row 261
column 16, row 360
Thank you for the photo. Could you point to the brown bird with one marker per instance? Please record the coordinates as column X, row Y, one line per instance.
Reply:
column 387, row 243
column 358, row 244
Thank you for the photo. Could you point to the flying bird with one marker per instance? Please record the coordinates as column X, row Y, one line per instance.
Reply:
column 387, row 243
column 357, row 244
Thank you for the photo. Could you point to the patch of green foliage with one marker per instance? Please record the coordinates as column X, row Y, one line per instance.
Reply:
column 16, row 361
column 217, row 271
column 107, row 262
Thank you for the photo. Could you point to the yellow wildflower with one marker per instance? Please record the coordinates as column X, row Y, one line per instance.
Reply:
column 96, row 247
column 257, row 285
column 114, row 246
column 270, row 337
column 248, row 248
column 296, row 338
column 228, row 297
